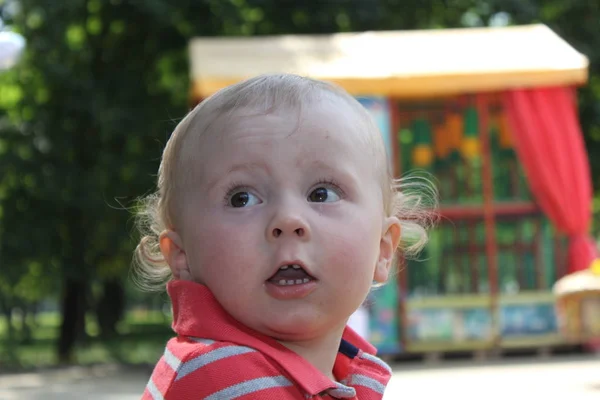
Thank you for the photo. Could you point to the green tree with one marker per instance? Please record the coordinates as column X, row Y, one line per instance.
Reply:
column 90, row 106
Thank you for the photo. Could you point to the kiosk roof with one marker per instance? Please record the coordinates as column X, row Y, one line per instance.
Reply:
column 402, row 64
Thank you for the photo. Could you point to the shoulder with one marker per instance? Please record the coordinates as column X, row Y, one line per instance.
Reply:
column 202, row 368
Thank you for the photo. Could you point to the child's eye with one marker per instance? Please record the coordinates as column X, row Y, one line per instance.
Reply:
column 243, row 199
column 323, row 195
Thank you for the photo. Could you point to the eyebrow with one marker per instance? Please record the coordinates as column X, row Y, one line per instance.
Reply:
column 318, row 164
column 249, row 167
column 350, row 177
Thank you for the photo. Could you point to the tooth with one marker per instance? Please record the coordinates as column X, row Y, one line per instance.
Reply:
column 284, row 267
column 306, row 280
column 282, row 282
column 298, row 281
column 290, row 282
column 296, row 266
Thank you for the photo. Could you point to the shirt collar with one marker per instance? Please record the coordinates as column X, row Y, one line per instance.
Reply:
column 194, row 305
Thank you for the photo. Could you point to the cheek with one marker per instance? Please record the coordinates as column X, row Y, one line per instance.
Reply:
column 354, row 247
column 219, row 250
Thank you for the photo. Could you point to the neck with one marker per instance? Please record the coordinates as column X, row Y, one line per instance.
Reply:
column 320, row 352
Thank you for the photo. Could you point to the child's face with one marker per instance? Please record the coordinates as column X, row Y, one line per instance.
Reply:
column 269, row 192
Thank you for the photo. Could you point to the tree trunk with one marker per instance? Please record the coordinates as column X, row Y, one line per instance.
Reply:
column 73, row 323
column 76, row 280
column 26, row 332
column 9, row 324
column 7, row 309
column 110, row 308
column 11, row 356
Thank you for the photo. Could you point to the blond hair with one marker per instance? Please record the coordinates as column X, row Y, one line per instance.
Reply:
column 410, row 199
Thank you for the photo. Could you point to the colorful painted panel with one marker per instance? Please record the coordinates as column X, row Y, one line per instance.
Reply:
column 383, row 307
column 442, row 137
column 520, row 320
column 449, row 325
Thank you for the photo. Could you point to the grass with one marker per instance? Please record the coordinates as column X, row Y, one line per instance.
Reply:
column 141, row 339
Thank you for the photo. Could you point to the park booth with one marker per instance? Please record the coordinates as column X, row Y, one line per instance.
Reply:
column 491, row 114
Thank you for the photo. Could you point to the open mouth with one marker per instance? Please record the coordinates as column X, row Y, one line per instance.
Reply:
column 290, row 274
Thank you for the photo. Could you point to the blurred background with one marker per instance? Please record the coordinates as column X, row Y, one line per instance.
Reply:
column 90, row 91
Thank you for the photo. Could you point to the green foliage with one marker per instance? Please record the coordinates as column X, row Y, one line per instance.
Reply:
column 83, row 118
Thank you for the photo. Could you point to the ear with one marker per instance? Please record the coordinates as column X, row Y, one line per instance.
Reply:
column 390, row 239
column 171, row 247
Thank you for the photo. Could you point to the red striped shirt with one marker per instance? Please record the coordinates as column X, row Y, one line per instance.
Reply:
column 216, row 357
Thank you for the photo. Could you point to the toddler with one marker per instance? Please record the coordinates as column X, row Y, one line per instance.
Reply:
column 275, row 215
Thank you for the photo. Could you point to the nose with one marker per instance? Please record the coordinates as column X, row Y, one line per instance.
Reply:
column 278, row 232
column 288, row 222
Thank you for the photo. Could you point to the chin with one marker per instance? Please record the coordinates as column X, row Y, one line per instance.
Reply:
column 292, row 331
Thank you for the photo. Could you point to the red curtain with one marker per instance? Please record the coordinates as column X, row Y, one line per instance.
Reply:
column 550, row 146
